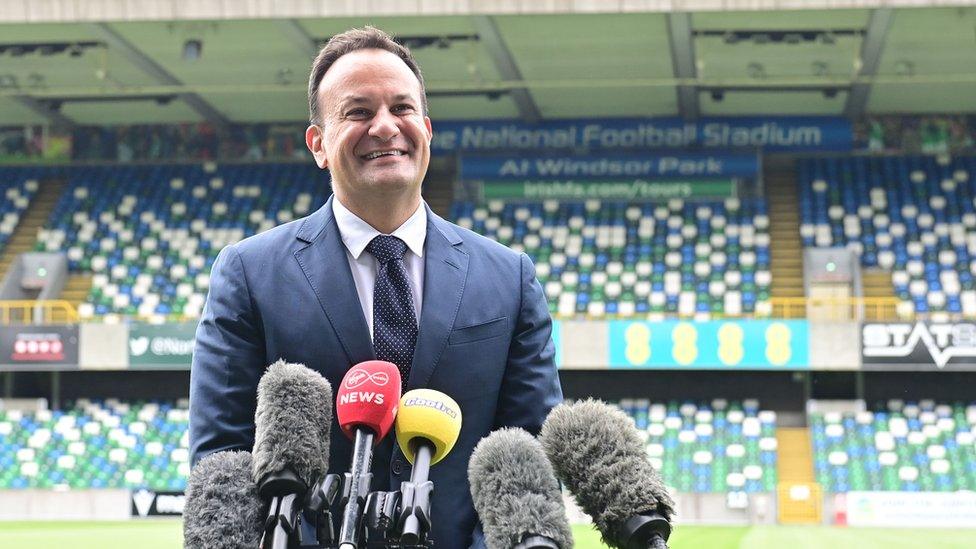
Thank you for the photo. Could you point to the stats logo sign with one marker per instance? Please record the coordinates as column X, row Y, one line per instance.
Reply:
column 919, row 346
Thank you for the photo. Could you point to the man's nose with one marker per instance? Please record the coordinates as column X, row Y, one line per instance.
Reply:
column 385, row 125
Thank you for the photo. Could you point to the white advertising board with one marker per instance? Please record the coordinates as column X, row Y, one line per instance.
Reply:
column 912, row 509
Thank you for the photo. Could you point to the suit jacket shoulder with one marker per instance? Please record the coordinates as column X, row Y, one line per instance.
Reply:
column 288, row 237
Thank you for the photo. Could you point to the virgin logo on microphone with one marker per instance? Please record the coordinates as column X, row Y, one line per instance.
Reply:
column 358, row 378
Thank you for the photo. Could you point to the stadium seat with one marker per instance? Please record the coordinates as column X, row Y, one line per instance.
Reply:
column 914, row 216
column 606, row 259
column 719, row 446
column 149, row 234
column 96, row 444
column 913, row 447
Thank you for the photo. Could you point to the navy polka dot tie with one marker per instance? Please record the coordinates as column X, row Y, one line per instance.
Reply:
column 394, row 321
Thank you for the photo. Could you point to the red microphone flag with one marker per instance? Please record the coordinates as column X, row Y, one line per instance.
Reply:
column 368, row 397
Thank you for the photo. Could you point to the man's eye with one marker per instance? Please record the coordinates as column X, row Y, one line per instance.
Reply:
column 403, row 108
column 357, row 113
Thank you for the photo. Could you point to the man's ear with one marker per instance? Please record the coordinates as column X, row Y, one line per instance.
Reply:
column 314, row 140
column 430, row 130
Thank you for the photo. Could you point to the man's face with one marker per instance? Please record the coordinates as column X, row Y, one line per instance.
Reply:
column 374, row 137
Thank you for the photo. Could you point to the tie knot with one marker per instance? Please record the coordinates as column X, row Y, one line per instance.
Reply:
column 385, row 247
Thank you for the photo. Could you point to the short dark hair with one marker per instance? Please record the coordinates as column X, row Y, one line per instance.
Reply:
column 348, row 42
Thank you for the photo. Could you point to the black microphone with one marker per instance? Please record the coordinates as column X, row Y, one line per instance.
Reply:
column 291, row 445
column 597, row 453
column 516, row 493
column 223, row 510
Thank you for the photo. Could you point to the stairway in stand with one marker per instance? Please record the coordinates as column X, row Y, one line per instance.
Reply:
column 877, row 283
column 438, row 188
column 799, row 497
column 33, row 219
column 786, row 249
column 794, row 455
column 25, row 237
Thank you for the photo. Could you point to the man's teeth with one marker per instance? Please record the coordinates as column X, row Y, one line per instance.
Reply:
column 378, row 154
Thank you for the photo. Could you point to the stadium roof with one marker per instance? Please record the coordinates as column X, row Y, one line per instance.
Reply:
column 541, row 65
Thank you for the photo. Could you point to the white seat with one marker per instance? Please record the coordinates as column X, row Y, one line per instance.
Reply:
column 918, row 288
column 716, row 288
column 686, row 303
column 733, row 303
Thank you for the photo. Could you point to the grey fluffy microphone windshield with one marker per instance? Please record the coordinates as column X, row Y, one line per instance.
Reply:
column 223, row 510
column 596, row 452
column 292, row 423
column 516, row 492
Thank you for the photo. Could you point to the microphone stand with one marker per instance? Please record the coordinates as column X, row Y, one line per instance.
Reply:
column 537, row 542
column 354, row 487
column 649, row 530
column 319, row 514
column 382, row 521
column 283, row 488
column 415, row 497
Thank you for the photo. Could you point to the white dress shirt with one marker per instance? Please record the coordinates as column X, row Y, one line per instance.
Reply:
column 356, row 234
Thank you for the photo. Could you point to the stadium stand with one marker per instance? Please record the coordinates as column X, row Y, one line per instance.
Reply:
column 602, row 259
column 107, row 444
column 914, row 216
column 719, row 446
column 149, row 234
column 914, row 446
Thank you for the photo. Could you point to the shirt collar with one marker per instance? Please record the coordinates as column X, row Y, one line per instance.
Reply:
column 356, row 233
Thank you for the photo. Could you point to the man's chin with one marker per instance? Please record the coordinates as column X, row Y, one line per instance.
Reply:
column 392, row 183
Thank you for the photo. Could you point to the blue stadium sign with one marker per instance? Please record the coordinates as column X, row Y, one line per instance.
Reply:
column 689, row 165
column 783, row 133
column 719, row 344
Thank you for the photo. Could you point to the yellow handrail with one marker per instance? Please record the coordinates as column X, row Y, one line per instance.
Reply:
column 839, row 308
column 33, row 311
column 817, row 308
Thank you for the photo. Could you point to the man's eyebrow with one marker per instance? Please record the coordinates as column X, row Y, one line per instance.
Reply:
column 359, row 99
column 356, row 99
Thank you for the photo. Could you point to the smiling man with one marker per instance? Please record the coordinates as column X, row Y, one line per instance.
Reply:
column 375, row 274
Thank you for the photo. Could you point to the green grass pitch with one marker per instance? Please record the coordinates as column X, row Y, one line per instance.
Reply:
column 167, row 534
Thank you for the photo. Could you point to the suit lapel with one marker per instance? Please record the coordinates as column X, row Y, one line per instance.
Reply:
column 326, row 267
column 445, row 270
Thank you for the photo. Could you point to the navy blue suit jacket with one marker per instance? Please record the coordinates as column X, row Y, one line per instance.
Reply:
column 288, row 293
